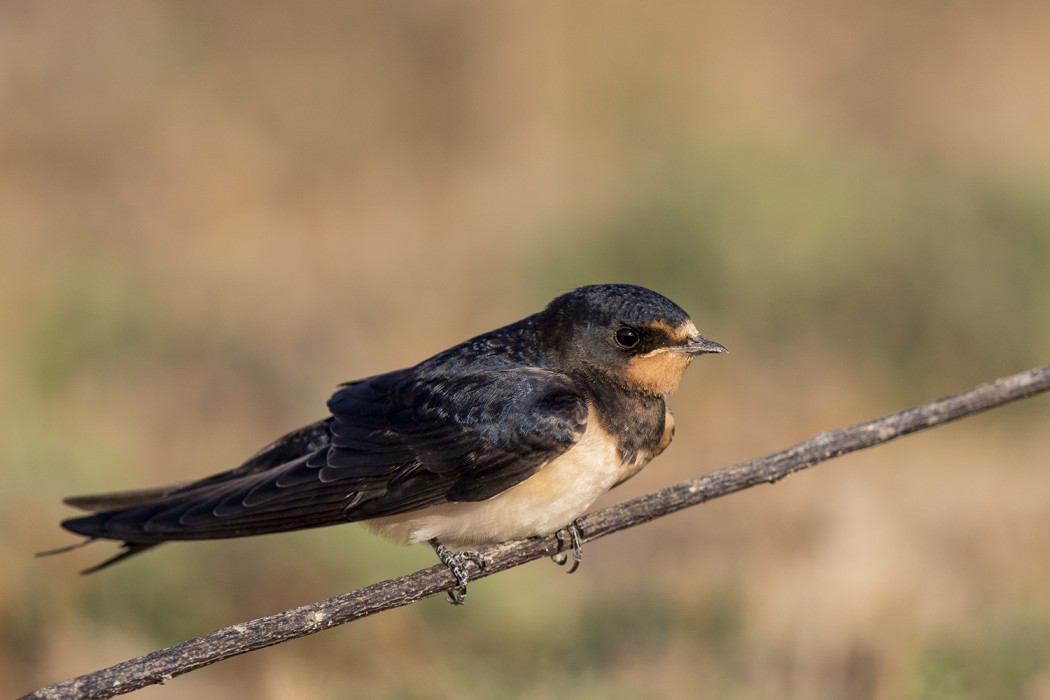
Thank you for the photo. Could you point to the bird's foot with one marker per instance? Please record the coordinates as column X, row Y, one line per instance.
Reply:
column 572, row 533
column 456, row 562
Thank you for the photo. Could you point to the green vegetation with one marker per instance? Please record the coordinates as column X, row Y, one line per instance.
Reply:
column 212, row 216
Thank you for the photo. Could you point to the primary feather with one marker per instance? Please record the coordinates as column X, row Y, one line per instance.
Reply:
column 395, row 442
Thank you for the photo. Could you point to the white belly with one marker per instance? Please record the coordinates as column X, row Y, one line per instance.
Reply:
column 561, row 491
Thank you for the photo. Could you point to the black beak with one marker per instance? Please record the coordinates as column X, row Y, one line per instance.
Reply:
column 702, row 346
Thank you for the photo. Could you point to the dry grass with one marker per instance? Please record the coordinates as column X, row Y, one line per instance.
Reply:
column 212, row 214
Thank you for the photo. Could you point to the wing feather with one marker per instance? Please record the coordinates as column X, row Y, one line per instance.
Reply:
column 394, row 443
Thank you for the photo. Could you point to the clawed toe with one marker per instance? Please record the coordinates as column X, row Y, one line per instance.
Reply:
column 573, row 534
column 456, row 562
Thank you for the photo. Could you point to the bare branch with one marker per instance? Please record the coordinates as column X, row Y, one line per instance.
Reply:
column 163, row 665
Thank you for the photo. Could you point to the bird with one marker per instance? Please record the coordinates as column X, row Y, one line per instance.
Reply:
column 511, row 434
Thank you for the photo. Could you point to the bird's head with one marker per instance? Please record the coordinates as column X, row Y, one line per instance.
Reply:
column 632, row 335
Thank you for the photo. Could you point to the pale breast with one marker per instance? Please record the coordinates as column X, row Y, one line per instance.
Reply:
column 561, row 491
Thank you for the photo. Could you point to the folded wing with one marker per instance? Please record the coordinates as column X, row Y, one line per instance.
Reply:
column 394, row 443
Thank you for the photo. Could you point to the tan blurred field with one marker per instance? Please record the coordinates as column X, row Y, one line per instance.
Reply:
column 214, row 212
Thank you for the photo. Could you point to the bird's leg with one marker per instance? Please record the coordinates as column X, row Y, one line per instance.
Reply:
column 456, row 562
column 573, row 533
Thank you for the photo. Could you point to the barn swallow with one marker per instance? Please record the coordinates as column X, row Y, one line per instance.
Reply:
column 512, row 434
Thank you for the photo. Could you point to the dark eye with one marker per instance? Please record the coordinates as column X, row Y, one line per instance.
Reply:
column 627, row 337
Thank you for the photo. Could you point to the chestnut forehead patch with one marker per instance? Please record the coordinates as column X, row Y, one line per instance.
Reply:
column 677, row 335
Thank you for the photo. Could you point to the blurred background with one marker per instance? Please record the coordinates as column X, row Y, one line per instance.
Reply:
column 214, row 212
